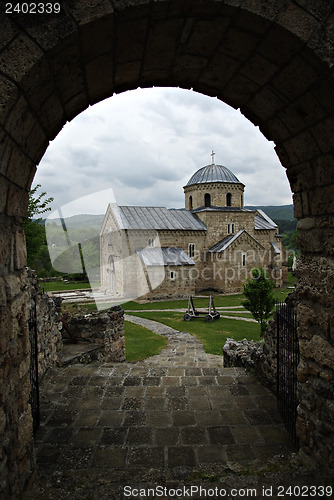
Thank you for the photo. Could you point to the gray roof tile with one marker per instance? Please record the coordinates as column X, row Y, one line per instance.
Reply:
column 167, row 256
column 158, row 218
column 212, row 173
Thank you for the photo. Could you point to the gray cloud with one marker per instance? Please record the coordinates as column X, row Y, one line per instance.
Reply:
column 146, row 144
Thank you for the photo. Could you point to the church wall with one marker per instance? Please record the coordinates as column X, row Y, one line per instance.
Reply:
column 128, row 273
column 229, row 270
column 217, row 224
column 179, row 282
column 273, row 260
column 182, row 239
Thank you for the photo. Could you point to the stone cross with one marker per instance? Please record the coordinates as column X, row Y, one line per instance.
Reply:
column 213, row 157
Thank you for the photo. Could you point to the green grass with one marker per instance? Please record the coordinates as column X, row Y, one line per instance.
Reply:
column 141, row 343
column 239, row 314
column 56, row 286
column 219, row 300
column 212, row 335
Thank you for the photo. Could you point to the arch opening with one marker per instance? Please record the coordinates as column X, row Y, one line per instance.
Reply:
column 253, row 58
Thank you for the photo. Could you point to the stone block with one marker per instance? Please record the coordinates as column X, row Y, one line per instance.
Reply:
column 298, row 21
column 88, row 12
column 306, row 224
column 52, row 116
column 17, row 201
column 100, row 75
column 19, row 57
column 20, row 251
column 3, row 421
column 13, row 286
column 3, row 295
column 319, row 350
column 9, row 94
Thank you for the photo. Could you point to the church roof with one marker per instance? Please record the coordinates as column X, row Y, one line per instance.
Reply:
column 212, row 173
column 158, row 218
column 167, row 256
column 226, row 242
column 213, row 208
column 263, row 221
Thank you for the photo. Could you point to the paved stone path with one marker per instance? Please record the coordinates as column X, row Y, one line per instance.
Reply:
column 177, row 416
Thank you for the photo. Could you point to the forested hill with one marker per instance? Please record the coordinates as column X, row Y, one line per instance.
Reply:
column 283, row 216
column 281, row 212
column 277, row 213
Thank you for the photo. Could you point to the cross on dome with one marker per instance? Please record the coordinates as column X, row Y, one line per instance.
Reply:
column 213, row 157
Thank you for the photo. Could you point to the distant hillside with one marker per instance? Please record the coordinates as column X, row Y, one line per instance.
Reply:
column 277, row 213
column 281, row 212
column 81, row 221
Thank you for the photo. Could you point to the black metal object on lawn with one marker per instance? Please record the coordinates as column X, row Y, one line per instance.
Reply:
column 210, row 315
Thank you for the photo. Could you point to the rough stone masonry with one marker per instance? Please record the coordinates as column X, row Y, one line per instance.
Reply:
column 272, row 60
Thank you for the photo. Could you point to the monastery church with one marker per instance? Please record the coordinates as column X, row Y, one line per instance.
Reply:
column 210, row 245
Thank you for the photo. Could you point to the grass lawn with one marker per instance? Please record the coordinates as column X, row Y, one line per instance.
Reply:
column 56, row 286
column 219, row 300
column 141, row 343
column 212, row 335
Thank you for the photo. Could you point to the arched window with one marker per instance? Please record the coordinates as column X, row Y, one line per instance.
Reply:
column 228, row 200
column 110, row 236
column 111, row 274
column 190, row 202
column 242, row 201
column 207, row 200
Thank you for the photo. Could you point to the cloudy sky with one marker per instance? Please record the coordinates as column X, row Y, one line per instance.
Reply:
column 144, row 145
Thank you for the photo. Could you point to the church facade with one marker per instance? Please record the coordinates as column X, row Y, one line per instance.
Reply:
column 211, row 245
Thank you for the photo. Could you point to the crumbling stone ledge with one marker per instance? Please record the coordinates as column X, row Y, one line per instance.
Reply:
column 244, row 353
column 105, row 327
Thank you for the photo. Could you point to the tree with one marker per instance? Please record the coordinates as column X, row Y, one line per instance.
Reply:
column 259, row 297
column 34, row 230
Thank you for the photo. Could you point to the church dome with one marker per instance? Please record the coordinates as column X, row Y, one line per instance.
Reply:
column 212, row 173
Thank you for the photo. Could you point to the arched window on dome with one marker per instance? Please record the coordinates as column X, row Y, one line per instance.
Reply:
column 190, row 202
column 207, row 200
column 228, row 200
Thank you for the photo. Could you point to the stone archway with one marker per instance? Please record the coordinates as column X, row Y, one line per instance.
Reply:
column 273, row 60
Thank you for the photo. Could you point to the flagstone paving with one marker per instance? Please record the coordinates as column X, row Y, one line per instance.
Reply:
column 171, row 417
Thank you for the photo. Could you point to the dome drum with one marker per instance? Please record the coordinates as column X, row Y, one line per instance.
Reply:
column 213, row 185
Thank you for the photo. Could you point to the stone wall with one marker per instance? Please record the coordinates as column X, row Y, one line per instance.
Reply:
column 271, row 60
column 106, row 328
column 48, row 324
column 260, row 357
column 16, row 444
column 315, row 423
column 315, row 374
